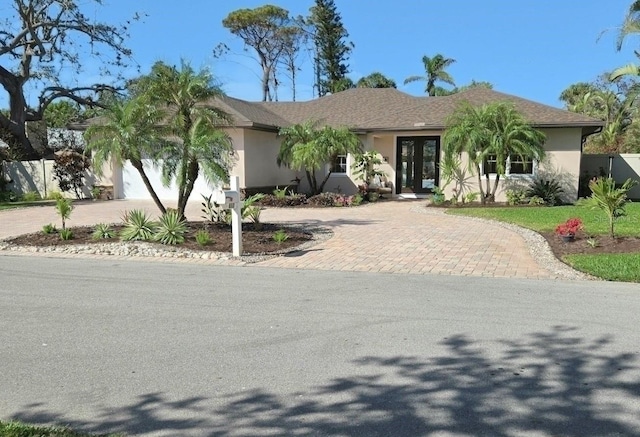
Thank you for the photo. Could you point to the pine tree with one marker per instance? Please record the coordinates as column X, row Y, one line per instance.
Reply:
column 332, row 49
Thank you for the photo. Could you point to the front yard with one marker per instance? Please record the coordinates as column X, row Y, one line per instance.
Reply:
column 593, row 251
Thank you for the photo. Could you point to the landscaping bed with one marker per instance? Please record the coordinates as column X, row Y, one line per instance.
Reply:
column 254, row 241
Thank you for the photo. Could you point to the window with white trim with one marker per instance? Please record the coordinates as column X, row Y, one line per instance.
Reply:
column 339, row 165
column 515, row 165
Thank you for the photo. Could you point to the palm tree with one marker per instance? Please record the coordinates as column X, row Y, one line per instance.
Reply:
column 129, row 133
column 434, row 69
column 196, row 140
column 631, row 25
column 304, row 147
column 496, row 129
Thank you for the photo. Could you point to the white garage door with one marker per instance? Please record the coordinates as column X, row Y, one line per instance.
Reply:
column 134, row 188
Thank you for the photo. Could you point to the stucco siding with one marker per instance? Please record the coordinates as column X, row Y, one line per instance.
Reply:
column 260, row 164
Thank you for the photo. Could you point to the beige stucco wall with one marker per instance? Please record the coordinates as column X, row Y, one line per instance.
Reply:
column 259, row 152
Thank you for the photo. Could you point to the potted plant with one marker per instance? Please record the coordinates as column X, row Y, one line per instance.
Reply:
column 567, row 230
column 364, row 167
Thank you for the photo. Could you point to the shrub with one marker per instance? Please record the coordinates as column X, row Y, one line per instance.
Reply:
column 49, row 228
column 95, row 192
column 66, row 234
column 102, row 231
column 471, row 197
column 64, row 208
column 69, row 170
column 214, row 212
column 357, row 199
column 516, row 197
column 280, row 236
column 536, row 200
column 569, row 228
column 171, row 228
column 54, row 195
column 438, row 196
column 31, row 196
column 611, row 200
column 203, row 237
column 547, row 189
column 323, row 199
column 253, row 213
column 289, row 200
column 137, row 226
column 280, row 193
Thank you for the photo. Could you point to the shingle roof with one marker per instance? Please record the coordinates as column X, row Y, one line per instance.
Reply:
column 389, row 109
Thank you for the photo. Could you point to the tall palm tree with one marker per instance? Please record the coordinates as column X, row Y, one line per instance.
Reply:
column 305, row 147
column 196, row 140
column 496, row 129
column 630, row 25
column 435, row 72
column 129, row 133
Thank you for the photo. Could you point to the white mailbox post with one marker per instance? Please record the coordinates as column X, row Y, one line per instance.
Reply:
column 231, row 199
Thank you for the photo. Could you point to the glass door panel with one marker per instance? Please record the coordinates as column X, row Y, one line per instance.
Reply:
column 417, row 164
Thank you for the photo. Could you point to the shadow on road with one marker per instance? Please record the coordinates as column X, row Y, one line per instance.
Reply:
column 548, row 383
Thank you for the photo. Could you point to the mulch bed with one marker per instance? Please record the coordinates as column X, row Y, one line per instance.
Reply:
column 580, row 245
column 253, row 241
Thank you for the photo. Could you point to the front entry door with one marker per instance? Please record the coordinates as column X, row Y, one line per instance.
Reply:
column 417, row 164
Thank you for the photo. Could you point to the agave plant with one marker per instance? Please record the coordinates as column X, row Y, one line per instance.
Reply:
column 171, row 228
column 137, row 226
column 102, row 231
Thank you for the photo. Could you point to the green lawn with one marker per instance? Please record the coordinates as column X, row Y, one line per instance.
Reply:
column 612, row 267
column 544, row 218
column 17, row 429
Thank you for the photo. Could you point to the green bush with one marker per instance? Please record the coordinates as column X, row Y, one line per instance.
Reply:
column 64, row 208
column 102, row 231
column 54, row 195
column 31, row 196
column 171, row 228
column 548, row 190
column 280, row 236
column 137, row 226
column 516, row 197
column 49, row 228
column 66, row 234
column 280, row 193
column 203, row 238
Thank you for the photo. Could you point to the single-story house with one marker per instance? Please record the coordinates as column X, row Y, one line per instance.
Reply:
column 405, row 130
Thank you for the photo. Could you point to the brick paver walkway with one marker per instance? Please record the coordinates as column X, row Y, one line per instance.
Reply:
column 383, row 237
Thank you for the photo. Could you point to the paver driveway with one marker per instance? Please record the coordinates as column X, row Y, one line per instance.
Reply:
column 383, row 237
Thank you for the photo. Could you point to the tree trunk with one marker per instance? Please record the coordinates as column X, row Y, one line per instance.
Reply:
column 310, row 181
column 138, row 166
column 324, row 181
column 482, row 198
column 193, row 169
column 14, row 125
column 492, row 194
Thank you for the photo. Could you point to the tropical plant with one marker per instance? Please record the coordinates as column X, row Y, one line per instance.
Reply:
column 280, row 193
column 280, row 236
column 128, row 132
column 95, row 192
column 49, row 228
column 64, row 208
column 171, row 228
column 212, row 211
column 496, row 130
column 630, row 26
column 102, row 231
column 137, row 226
column 304, row 147
column 196, row 142
column 451, row 170
column 203, row 238
column 515, row 196
column 66, row 234
column 365, row 166
column 30, row 196
column 549, row 190
column 434, row 72
column 609, row 198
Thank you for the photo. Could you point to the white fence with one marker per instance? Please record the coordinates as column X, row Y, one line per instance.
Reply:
column 30, row 176
column 621, row 167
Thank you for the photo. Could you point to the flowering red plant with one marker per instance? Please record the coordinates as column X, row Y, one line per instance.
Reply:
column 570, row 227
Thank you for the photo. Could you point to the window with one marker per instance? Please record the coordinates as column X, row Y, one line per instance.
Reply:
column 339, row 164
column 521, row 165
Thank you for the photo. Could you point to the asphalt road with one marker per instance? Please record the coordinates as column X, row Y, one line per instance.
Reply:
column 183, row 350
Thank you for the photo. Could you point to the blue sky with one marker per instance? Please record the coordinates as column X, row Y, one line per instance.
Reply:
column 530, row 48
